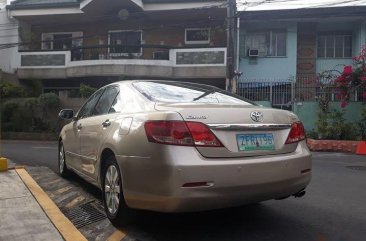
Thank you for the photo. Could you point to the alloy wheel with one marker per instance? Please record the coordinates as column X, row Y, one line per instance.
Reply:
column 112, row 189
column 61, row 159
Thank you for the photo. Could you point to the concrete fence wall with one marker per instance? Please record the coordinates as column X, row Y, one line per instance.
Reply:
column 70, row 103
column 308, row 112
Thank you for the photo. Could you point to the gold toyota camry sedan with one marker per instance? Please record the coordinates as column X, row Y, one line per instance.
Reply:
column 172, row 146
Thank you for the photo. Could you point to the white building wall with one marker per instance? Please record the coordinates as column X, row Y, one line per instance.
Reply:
column 8, row 34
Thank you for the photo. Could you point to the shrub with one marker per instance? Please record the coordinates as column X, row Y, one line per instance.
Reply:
column 30, row 114
column 332, row 125
column 15, row 116
column 362, row 123
column 33, row 87
column 86, row 90
column 9, row 90
column 49, row 101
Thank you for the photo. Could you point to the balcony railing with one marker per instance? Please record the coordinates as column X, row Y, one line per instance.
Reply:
column 184, row 57
column 113, row 60
column 156, row 52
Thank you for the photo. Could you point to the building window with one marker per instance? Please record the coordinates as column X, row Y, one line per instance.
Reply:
column 268, row 43
column 62, row 40
column 336, row 45
column 197, row 35
column 125, row 42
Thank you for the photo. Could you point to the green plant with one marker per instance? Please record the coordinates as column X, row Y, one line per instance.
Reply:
column 333, row 125
column 86, row 90
column 362, row 123
column 9, row 90
column 49, row 101
column 352, row 78
column 74, row 93
column 34, row 87
column 312, row 134
column 31, row 104
column 15, row 115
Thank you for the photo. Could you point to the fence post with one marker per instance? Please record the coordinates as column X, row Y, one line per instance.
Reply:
column 356, row 95
column 293, row 95
column 271, row 93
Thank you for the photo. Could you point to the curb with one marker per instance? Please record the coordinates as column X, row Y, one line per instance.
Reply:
column 67, row 230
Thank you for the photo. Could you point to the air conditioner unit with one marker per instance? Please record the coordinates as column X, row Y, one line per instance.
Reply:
column 253, row 52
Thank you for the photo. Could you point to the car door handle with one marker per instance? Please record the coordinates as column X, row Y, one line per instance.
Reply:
column 79, row 126
column 106, row 123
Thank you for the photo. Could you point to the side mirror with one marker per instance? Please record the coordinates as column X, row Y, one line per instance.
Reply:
column 66, row 114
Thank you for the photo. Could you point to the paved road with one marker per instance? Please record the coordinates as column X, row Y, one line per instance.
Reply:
column 31, row 153
column 334, row 208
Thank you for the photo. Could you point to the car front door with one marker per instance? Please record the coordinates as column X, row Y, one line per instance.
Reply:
column 95, row 130
column 82, row 118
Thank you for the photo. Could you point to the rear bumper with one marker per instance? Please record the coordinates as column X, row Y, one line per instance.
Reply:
column 157, row 184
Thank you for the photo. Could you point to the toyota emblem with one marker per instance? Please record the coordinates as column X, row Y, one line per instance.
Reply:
column 256, row 116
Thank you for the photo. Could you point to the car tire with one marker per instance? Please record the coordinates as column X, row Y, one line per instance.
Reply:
column 63, row 171
column 114, row 203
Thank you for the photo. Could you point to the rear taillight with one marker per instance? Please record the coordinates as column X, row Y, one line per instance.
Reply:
column 202, row 135
column 297, row 133
column 180, row 133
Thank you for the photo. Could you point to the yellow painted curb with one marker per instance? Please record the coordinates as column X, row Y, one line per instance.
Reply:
column 68, row 231
column 117, row 236
column 3, row 164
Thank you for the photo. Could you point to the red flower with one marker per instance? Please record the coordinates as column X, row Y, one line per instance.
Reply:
column 347, row 70
column 341, row 79
column 343, row 104
column 363, row 78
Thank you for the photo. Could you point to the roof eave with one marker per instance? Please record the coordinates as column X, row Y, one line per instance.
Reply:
column 42, row 6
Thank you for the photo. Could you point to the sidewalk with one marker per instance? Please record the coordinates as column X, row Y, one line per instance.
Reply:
column 22, row 218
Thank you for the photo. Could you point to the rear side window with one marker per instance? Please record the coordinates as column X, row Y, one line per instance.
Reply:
column 173, row 92
column 105, row 101
column 126, row 102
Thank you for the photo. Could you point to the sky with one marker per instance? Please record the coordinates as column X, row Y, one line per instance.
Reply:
column 255, row 5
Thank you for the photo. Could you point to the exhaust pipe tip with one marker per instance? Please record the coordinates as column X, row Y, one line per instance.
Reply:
column 299, row 194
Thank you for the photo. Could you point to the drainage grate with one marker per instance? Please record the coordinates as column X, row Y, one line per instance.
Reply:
column 85, row 214
column 358, row 168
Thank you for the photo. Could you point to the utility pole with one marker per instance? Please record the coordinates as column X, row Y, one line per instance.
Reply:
column 230, row 54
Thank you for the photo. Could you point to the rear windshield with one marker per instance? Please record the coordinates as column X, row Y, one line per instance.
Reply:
column 174, row 92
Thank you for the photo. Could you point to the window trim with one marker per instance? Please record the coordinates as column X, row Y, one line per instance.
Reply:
column 333, row 35
column 198, row 41
column 269, row 43
column 123, row 54
column 106, row 88
column 87, row 101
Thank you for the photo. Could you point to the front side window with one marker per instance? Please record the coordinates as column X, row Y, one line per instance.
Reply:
column 334, row 45
column 266, row 43
column 125, row 42
column 197, row 35
column 105, row 101
column 88, row 107
column 186, row 93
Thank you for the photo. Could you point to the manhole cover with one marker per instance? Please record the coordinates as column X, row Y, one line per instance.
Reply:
column 358, row 168
column 85, row 214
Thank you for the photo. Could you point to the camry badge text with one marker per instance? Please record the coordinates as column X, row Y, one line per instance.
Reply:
column 256, row 116
column 194, row 117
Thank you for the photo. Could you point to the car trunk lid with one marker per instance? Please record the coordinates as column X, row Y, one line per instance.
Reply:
column 244, row 130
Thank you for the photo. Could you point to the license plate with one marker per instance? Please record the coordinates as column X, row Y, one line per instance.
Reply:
column 254, row 142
